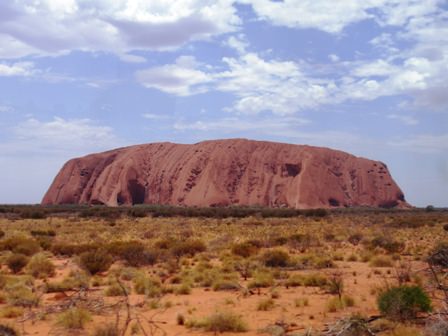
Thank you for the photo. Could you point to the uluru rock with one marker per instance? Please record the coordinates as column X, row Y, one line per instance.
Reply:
column 225, row 172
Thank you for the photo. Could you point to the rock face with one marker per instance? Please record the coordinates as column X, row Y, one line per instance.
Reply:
column 225, row 172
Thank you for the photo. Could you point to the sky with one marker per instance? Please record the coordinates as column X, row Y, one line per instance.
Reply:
column 366, row 77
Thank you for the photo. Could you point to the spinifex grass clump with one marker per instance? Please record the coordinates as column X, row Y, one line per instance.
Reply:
column 95, row 261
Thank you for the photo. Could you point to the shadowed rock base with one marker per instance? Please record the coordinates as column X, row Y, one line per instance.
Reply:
column 225, row 172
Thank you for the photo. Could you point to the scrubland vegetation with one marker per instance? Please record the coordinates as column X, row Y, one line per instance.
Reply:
column 175, row 271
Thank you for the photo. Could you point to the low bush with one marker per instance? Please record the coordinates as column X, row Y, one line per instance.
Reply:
column 224, row 322
column 40, row 266
column 386, row 243
column 115, row 289
column 439, row 255
column 21, row 295
column 245, row 249
column 381, row 261
column 336, row 303
column 187, row 248
column 265, row 305
column 148, row 286
column 74, row 318
column 21, row 245
column 39, row 233
column 16, row 262
column 107, row 330
column 276, row 258
column 95, row 261
column 355, row 238
column 11, row 312
column 133, row 252
column 7, row 331
column 403, row 302
column 261, row 280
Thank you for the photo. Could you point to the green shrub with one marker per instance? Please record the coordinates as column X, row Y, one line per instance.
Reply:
column 16, row 262
column 40, row 266
column 276, row 258
column 95, row 261
column 403, row 302
column 74, row 318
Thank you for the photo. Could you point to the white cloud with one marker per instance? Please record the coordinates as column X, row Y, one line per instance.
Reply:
column 259, row 85
column 24, row 69
column 6, row 109
column 333, row 58
column 129, row 58
column 152, row 116
column 405, row 119
column 236, row 124
column 59, row 137
column 181, row 78
column 423, row 143
column 333, row 16
column 238, row 42
column 52, row 27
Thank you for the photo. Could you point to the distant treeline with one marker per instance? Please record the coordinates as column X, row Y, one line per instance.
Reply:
column 138, row 211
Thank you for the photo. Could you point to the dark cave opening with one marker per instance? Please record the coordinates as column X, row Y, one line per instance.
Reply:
column 137, row 192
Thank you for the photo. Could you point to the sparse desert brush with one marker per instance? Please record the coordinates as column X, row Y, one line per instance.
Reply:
column 18, row 244
column 403, row 302
column 7, row 330
column 95, row 261
column 381, row 261
column 405, row 330
column 187, row 248
column 355, row 238
column 74, row 318
column 183, row 289
column 16, row 262
column 386, row 243
column 11, row 312
column 261, row 279
column 336, row 303
column 301, row 302
column 144, row 285
column 20, row 295
column 40, row 266
column 302, row 242
column 115, row 289
column 133, row 252
column 265, row 304
column 221, row 322
column 107, row 330
column 276, row 258
column 245, row 249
